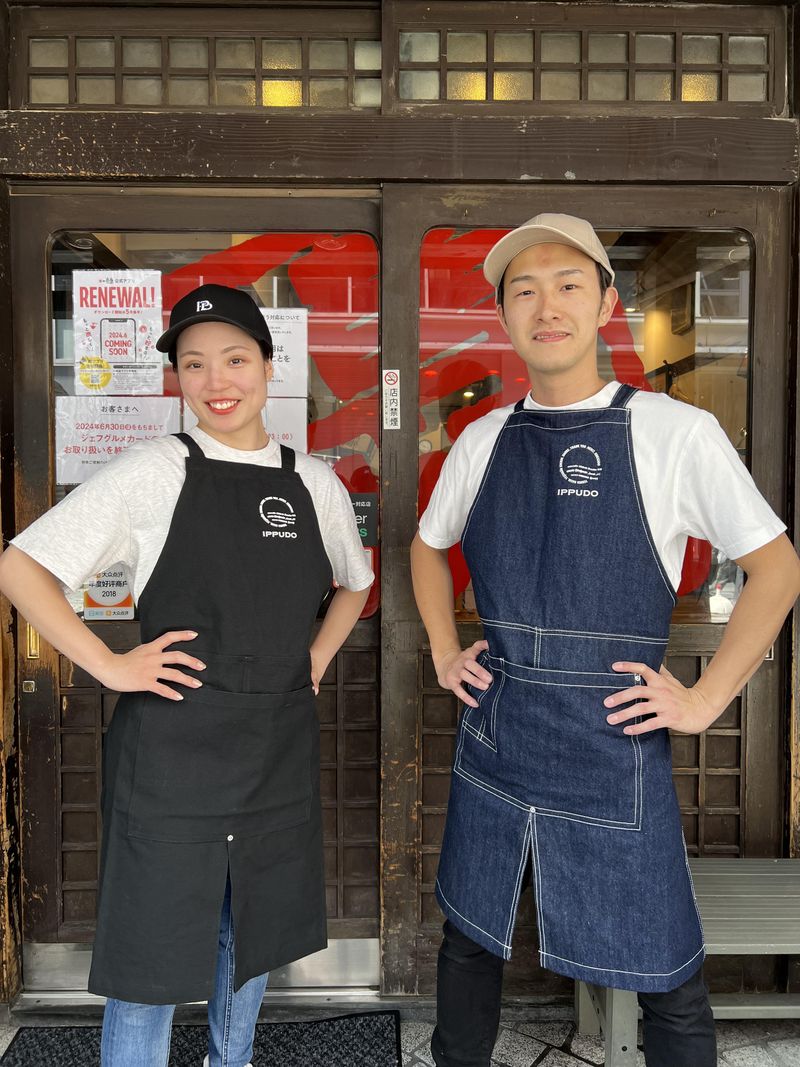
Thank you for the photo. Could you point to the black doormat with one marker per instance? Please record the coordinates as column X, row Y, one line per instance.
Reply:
column 371, row 1039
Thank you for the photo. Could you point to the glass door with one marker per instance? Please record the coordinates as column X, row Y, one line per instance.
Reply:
column 90, row 383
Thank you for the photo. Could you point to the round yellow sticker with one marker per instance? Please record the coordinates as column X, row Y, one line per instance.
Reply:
column 94, row 372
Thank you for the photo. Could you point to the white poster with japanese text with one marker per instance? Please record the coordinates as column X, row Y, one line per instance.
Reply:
column 288, row 328
column 116, row 317
column 90, row 431
column 285, row 419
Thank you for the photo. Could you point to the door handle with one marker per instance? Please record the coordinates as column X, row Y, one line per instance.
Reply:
column 32, row 650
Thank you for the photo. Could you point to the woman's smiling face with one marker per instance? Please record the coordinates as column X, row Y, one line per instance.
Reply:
column 223, row 376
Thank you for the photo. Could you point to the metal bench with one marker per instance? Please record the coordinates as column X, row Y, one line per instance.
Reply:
column 748, row 907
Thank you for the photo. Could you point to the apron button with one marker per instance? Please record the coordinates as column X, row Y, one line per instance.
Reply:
column 230, row 837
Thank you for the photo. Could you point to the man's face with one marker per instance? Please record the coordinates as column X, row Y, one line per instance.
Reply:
column 552, row 308
column 223, row 377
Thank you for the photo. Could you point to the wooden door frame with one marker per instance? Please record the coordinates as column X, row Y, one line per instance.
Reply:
column 38, row 212
column 408, row 212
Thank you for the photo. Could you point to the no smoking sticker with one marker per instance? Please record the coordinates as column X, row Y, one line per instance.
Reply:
column 391, row 400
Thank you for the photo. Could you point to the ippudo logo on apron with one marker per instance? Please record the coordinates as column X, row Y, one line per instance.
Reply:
column 579, row 465
column 279, row 516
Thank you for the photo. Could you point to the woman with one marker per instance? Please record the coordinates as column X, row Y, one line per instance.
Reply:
column 211, row 867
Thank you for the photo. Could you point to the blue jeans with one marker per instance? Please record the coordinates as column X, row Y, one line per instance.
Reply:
column 138, row 1035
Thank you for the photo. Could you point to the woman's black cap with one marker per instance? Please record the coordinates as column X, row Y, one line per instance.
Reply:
column 216, row 303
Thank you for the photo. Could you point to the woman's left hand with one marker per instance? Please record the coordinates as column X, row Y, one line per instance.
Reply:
column 669, row 702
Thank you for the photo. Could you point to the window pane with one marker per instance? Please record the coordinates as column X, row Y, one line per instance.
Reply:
column 466, row 47
column 48, row 52
column 608, row 47
column 141, row 52
column 655, row 47
column 700, row 88
column 328, row 55
column 44, row 90
column 513, row 48
column 466, row 85
column 236, row 53
column 145, row 92
column 367, row 55
column 561, row 85
column 608, row 85
column 419, row 84
column 747, row 50
column 236, row 92
column 327, row 92
column 701, row 48
column 561, row 48
column 277, row 92
column 653, row 86
column 188, row 52
column 419, row 47
column 367, row 92
column 188, row 92
column 747, row 86
column 281, row 54
column 96, row 90
column 94, row 52
column 513, row 85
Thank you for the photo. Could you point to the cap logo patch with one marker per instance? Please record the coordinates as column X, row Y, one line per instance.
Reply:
column 205, row 305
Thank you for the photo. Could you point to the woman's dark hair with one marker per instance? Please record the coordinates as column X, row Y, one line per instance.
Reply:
column 602, row 274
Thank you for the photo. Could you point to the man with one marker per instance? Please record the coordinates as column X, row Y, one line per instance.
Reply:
column 573, row 508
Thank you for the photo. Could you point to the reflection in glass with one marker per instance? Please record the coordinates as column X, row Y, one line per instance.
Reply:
column 94, row 52
column 327, row 55
column 327, row 92
column 48, row 90
column 513, row 85
column 282, row 92
column 281, row 54
column 188, row 52
column 466, row 85
column 141, row 91
column 96, row 90
column 682, row 326
column 188, row 92
column 608, row 85
column 608, row 47
column 367, row 92
column 236, row 53
column 367, row 55
column 236, row 92
column 700, row 88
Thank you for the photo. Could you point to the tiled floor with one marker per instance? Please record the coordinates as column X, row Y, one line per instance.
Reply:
column 741, row 1044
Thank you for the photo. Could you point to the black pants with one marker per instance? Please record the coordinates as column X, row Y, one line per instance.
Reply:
column 678, row 1026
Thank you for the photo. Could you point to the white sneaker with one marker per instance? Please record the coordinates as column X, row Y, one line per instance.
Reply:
column 205, row 1063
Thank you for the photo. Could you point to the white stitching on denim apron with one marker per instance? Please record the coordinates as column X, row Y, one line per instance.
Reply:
column 515, row 899
column 557, row 670
column 565, row 429
column 645, row 525
column 691, row 886
column 574, row 633
column 481, row 487
column 537, row 874
column 479, row 737
column 502, row 944
column 616, row 970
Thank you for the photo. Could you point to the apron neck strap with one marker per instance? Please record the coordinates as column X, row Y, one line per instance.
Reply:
column 623, row 395
column 520, row 404
column 191, row 444
column 287, row 458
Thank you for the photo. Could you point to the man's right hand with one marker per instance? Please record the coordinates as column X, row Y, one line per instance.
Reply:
column 141, row 669
column 456, row 667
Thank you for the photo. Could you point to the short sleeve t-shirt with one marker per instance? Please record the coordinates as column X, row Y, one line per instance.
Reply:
column 122, row 514
column 692, row 481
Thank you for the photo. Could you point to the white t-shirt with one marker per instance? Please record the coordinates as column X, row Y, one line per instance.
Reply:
column 692, row 481
column 122, row 514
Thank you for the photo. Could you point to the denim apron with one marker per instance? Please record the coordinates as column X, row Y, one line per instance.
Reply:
column 567, row 581
column 226, row 781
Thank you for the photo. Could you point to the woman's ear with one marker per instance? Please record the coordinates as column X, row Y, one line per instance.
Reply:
column 269, row 370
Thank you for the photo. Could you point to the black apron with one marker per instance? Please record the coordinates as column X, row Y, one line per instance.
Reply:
column 226, row 781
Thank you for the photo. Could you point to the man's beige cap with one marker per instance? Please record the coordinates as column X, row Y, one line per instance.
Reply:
column 548, row 228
